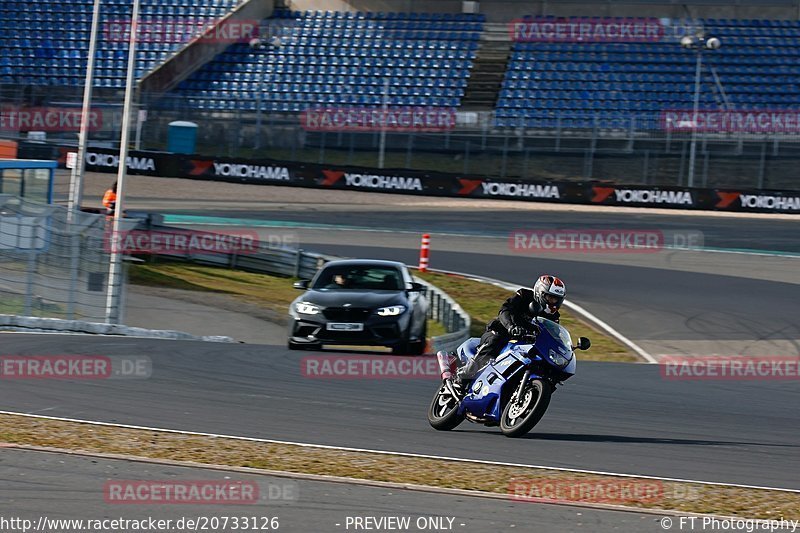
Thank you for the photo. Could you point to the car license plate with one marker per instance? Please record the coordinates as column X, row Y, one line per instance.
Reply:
column 345, row 326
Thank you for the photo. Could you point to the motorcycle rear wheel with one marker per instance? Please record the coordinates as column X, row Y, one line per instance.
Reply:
column 519, row 418
column 443, row 412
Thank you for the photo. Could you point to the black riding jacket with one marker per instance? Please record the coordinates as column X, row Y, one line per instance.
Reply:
column 515, row 312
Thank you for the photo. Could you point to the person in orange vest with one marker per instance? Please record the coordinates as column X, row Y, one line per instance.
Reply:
column 110, row 199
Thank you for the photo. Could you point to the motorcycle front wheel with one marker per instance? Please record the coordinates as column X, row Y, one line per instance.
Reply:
column 519, row 417
column 443, row 412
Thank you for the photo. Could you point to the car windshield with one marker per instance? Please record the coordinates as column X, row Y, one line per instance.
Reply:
column 557, row 331
column 359, row 277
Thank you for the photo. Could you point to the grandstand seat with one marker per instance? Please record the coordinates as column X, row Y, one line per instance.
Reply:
column 62, row 30
column 424, row 56
column 642, row 79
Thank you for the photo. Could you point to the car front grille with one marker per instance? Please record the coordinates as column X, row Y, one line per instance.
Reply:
column 347, row 314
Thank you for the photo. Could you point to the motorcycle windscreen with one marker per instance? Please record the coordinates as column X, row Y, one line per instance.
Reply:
column 558, row 332
column 560, row 340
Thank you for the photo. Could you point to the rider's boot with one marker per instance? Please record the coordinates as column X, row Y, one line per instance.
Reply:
column 464, row 375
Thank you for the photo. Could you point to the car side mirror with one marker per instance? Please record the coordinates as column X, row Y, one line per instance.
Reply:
column 302, row 284
column 417, row 287
column 534, row 308
column 583, row 343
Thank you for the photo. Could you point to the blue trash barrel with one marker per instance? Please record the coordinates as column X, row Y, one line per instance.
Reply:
column 182, row 137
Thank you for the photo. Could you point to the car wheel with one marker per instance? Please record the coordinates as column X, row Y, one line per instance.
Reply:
column 401, row 349
column 418, row 347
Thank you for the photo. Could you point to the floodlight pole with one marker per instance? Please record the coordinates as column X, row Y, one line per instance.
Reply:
column 113, row 297
column 698, row 42
column 262, row 63
column 76, row 177
column 695, row 113
column 262, row 47
column 385, row 111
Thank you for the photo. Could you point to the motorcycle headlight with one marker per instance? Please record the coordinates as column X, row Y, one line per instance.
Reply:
column 392, row 310
column 557, row 358
column 306, row 308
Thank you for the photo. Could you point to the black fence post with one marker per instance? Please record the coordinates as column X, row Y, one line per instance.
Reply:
column 298, row 262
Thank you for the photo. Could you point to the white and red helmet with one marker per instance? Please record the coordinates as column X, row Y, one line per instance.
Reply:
column 550, row 292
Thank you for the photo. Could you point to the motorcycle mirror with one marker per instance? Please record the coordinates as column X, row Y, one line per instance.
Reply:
column 534, row 308
column 583, row 343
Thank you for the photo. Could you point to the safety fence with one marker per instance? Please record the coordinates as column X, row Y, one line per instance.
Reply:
column 51, row 266
column 637, row 148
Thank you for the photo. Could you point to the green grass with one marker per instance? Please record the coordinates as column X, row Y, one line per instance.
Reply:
column 270, row 292
column 154, row 276
column 264, row 290
column 482, row 301
column 11, row 306
column 15, row 305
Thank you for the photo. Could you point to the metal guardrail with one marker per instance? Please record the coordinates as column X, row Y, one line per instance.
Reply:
column 288, row 262
column 304, row 264
column 443, row 309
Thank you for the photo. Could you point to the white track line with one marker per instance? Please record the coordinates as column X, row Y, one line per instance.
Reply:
column 396, row 454
column 570, row 305
column 611, row 331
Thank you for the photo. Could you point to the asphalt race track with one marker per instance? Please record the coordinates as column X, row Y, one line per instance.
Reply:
column 623, row 418
column 719, row 232
column 72, row 487
column 611, row 417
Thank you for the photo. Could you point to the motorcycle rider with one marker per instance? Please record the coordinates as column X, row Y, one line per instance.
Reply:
column 514, row 321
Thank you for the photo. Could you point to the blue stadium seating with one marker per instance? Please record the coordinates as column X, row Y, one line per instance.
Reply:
column 45, row 42
column 609, row 85
column 330, row 58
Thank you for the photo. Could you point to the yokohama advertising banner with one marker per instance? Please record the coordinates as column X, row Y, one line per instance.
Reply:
column 405, row 181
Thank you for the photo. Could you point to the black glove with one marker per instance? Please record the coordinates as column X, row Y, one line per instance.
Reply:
column 517, row 332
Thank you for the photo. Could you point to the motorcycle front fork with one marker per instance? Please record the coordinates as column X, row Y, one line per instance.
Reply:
column 515, row 398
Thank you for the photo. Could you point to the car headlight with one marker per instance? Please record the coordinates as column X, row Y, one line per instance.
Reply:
column 557, row 358
column 392, row 310
column 306, row 308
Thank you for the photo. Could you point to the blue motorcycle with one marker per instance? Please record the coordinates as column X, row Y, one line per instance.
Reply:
column 513, row 390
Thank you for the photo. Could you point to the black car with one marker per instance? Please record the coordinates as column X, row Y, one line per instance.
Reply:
column 360, row 302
